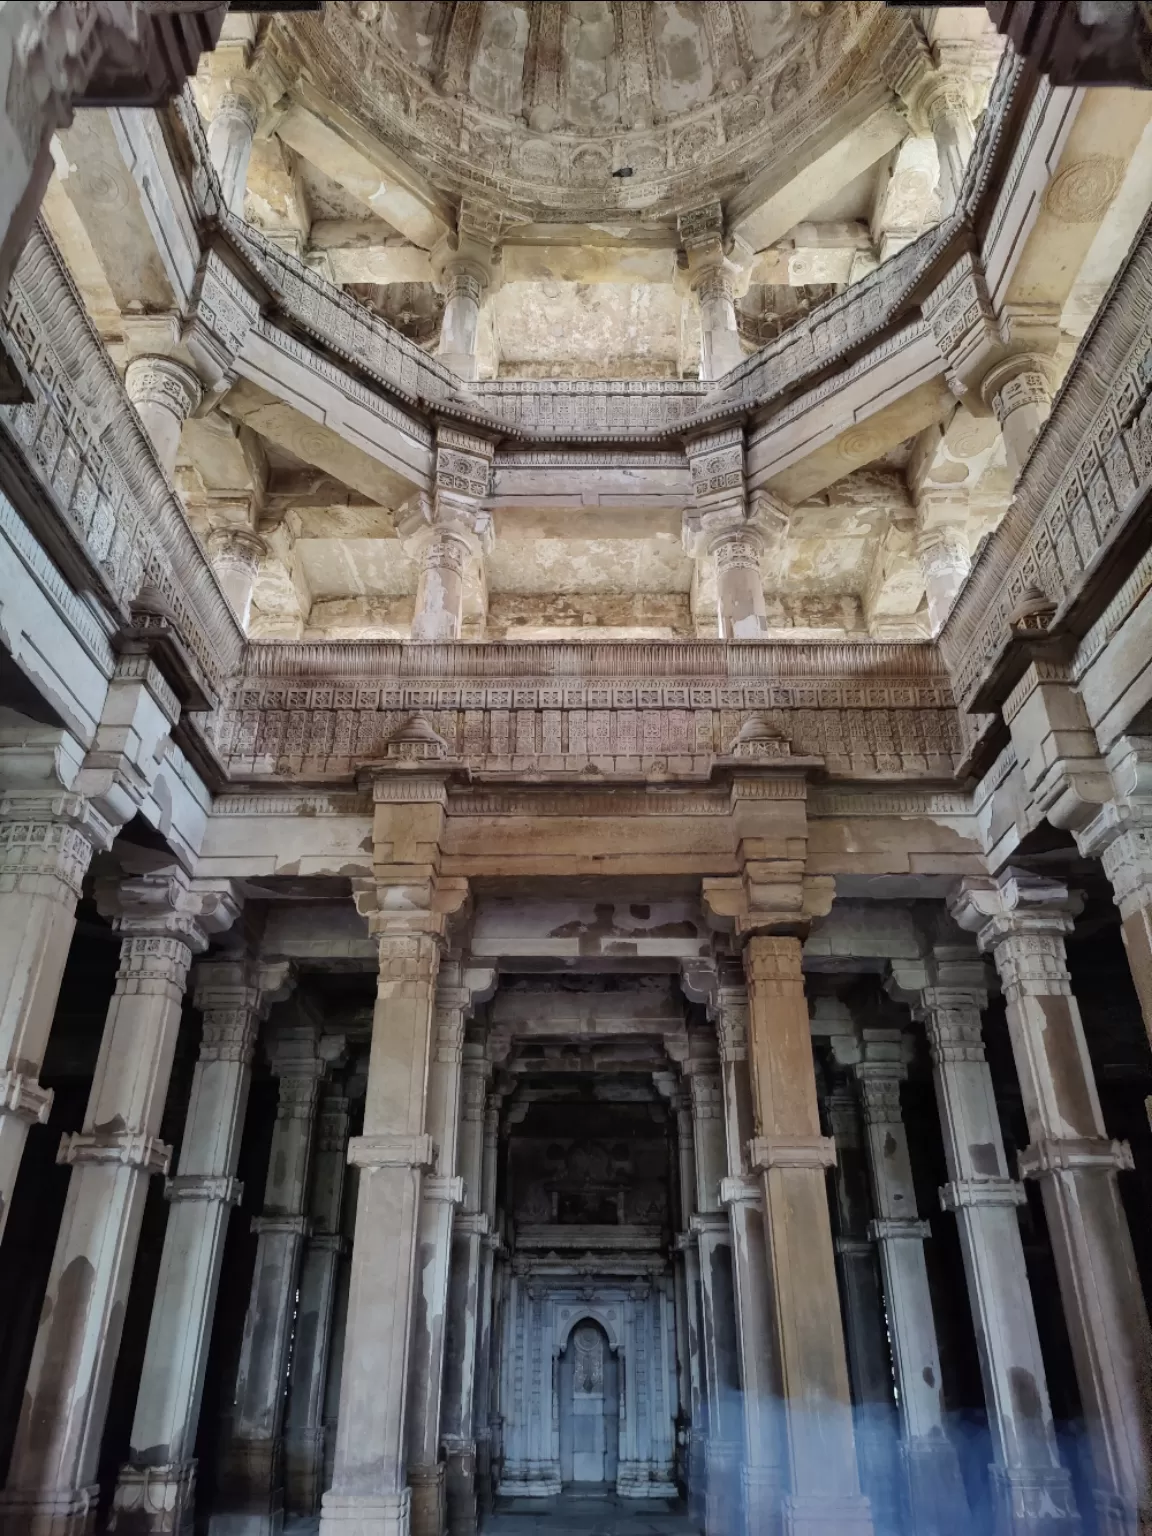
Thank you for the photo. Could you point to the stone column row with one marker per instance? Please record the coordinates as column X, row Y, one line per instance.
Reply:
column 51, row 1488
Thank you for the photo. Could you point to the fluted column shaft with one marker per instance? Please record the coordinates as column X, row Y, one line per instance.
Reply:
column 231, row 134
column 740, row 603
column 1032, row 1490
column 720, row 349
column 791, row 1155
column 51, row 1488
column 235, row 554
column 1019, row 391
column 483, row 1405
column 154, row 1495
column 1076, row 1163
column 370, row 1496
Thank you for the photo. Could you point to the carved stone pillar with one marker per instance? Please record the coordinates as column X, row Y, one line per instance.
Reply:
column 461, row 1365
column 947, row 106
column 250, row 1501
column 740, row 604
column 442, row 1192
column 164, row 393
column 1019, row 390
column 448, row 533
column 236, row 554
column 370, row 1491
column 719, row 1343
column 945, row 562
column 1022, row 920
column 47, row 836
column 151, row 1496
column 712, row 277
column 304, row 1429
column 1032, row 1491
column 51, row 1489
column 791, row 1155
column 463, row 267
column 231, row 134
column 691, row 1439
column 762, row 1475
column 937, row 1501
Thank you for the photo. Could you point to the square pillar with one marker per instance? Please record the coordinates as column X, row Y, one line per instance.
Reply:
column 791, row 1156
column 51, row 1488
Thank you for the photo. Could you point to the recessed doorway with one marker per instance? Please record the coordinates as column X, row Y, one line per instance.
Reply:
column 589, row 1408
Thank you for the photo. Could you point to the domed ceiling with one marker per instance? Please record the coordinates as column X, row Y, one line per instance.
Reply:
column 591, row 109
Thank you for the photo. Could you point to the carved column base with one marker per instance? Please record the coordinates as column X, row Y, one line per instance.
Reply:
column 1034, row 1503
column 697, row 1474
column 644, row 1480
column 1117, row 1517
column 722, row 1488
column 55, row 1512
column 373, row 1514
column 937, row 1500
column 154, row 1501
column 251, row 1498
column 811, row 1515
column 428, row 1509
column 761, row 1490
column 460, row 1489
column 304, row 1469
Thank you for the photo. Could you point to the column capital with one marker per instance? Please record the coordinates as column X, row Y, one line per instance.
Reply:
column 153, row 379
column 215, row 1188
column 1014, row 904
column 960, row 1194
column 391, row 1151
column 167, row 904
column 767, row 1152
column 896, row 1229
column 21, row 1095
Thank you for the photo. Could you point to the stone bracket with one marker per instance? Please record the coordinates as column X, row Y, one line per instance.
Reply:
column 958, row 1193
column 740, row 1189
column 446, row 1187
column 204, row 1186
column 768, row 1152
column 1087, row 1154
column 130, row 1149
column 24, row 1097
column 391, row 1152
column 889, row 1228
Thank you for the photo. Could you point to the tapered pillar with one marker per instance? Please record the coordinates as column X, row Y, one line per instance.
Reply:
column 250, row 1500
column 156, row 1486
column 1022, row 920
column 47, row 837
column 165, row 393
column 1032, row 1491
column 719, row 1343
column 370, row 1495
column 441, row 1193
column 458, row 1412
column 740, row 603
column 304, row 1430
column 824, row 1497
column 762, row 1475
column 231, row 134
column 1019, row 391
column 236, row 554
column 689, row 1361
column 936, row 1499
column 51, row 1489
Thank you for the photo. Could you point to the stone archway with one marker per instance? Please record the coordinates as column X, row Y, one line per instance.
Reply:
column 588, row 1406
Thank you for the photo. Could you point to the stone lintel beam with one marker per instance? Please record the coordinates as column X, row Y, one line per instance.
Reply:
column 786, row 192
column 332, row 141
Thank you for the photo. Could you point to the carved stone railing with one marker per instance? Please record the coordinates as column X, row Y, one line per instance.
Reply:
column 639, row 709
column 593, row 407
column 1085, row 489
column 77, row 461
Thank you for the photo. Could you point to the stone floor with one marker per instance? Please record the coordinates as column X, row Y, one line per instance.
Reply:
column 570, row 1515
column 580, row 1515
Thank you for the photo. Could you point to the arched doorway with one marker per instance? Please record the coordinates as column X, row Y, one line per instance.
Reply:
column 589, row 1407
